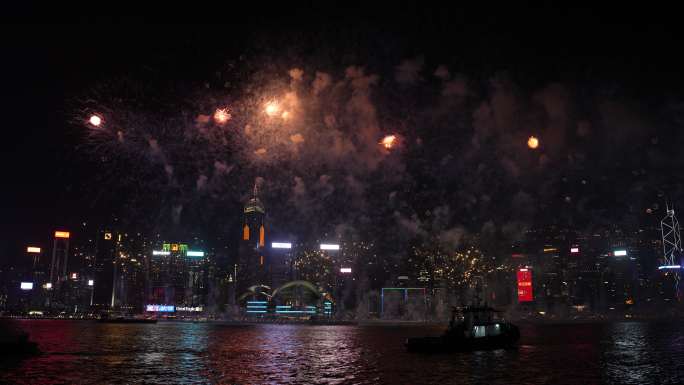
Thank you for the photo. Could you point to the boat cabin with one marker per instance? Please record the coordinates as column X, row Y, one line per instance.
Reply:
column 476, row 322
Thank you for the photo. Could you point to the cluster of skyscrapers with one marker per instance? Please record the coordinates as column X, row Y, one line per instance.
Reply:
column 552, row 271
column 104, row 270
column 90, row 271
column 607, row 272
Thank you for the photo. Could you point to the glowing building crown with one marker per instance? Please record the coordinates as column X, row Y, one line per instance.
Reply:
column 254, row 204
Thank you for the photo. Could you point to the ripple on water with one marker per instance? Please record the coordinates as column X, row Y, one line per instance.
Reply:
column 180, row 353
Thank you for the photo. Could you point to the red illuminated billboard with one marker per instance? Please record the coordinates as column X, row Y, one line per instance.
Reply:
column 525, row 285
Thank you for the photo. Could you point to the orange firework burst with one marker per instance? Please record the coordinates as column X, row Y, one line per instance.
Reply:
column 221, row 116
column 95, row 120
column 389, row 141
column 533, row 142
column 272, row 108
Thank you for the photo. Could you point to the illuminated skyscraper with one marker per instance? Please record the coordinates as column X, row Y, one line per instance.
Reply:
column 196, row 279
column 60, row 258
column 672, row 247
column 39, row 276
column 129, row 272
column 167, row 275
column 252, row 253
column 39, row 265
column 177, row 276
column 281, row 262
column 105, row 257
column 253, row 229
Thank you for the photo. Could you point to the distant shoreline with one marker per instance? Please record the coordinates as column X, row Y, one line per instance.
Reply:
column 376, row 322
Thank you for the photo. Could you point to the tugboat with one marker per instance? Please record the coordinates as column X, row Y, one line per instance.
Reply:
column 474, row 327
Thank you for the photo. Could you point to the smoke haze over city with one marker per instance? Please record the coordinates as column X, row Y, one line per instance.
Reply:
column 462, row 111
column 342, row 167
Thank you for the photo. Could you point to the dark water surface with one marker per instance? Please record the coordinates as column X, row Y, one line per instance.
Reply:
column 182, row 353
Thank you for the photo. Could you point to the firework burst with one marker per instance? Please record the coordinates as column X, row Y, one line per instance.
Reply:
column 222, row 116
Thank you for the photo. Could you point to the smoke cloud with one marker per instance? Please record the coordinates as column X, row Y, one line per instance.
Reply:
column 310, row 137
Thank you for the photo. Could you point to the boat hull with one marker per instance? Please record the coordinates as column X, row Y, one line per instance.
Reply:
column 450, row 344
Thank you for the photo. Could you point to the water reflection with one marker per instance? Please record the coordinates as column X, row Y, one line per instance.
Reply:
column 627, row 355
column 285, row 354
column 169, row 353
column 638, row 353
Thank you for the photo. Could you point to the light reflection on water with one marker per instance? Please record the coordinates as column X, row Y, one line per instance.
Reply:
column 169, row 353
column 639, row 353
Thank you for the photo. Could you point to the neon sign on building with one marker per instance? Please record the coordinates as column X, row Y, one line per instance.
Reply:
column 175, row 247
column 161, row 308
column 525, row 285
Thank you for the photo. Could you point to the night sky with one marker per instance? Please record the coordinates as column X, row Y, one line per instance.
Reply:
column 602, row 89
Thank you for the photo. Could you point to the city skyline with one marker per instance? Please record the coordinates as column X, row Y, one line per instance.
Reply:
column 568, row 271
column 341, row 193
column 605, row 150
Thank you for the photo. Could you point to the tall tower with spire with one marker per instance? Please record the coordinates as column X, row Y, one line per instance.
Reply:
column 254, row 213
column 252, row 254
column 672, row 246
